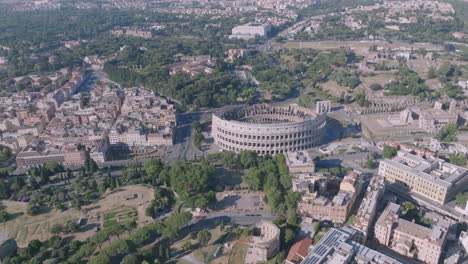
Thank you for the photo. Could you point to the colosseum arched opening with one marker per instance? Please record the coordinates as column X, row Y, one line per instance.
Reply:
column 268, row 129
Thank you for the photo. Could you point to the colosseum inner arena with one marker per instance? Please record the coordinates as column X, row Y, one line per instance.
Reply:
column 268, row 129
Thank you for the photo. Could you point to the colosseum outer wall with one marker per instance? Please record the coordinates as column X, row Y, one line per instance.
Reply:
column 268, row 130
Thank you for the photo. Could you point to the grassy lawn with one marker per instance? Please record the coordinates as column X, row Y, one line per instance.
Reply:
column 112, row 222
column 128, row 215
column 205, row 253
column 108, row 223
column 120, row 216
column 111, row 215
column 238, row 253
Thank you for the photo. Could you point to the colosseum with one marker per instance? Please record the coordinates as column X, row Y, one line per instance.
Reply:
column 268, row 129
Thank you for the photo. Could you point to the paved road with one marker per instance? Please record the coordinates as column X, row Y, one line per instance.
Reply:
column 90, row 81
column 183, row 148
column 240, row 218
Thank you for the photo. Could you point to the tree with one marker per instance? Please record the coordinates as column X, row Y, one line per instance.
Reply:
column 187, row 246
column 254, row 179
column 448, row 133
column 71, row 227
column 55, row 241
column 197, row 140
column 168, row 253
column 361, row 99
column 4, row 215
column 34, row 246
column 376, row 87
column 370, row 164
column 316, row 227
column 248, row 159
column 407, row 206
column 459, row 159
column 130, row 259
column 18, row 184
column 431, row 74
column 53, row 166
column 351, row 219
column 90, row 165
column 153, row 167
column 197, row 127
column 56, row 229
column 461, row 199
column 289, row 235
column 150, row 210
column 131, row 226
column 204, row 237
column 75, row 245
column 446, row 70
column 161, row 252
column 389, row 151
column 230, row 160
column 292, row 220
column 33, row 209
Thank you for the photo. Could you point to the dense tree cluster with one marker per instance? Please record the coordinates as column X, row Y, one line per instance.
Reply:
column 162, row 201
column 5, row 154
column 346, row 78
column 193, row 183
column 430, row 30
column 268, row 174
column 272, row 76
column 203, row 90
column 313, row 67
column 427, row 29
column 335, row 29
column 411, row 213
column 407, row 82
column 389, row 151
column 448, row 133
column 459, row 158
column 115, row 242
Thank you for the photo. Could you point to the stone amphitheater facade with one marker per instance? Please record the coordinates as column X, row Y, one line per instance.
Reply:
column 268, row 129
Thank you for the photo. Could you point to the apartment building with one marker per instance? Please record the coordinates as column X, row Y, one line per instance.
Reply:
column 334, row 208
column 433, row 179
column 337, row 246
column 308, row 185
column 145, row 121
column 367, row 210
column 410, row 239
column 41, row 152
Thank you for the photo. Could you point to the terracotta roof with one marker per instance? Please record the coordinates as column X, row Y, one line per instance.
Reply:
column 299, row 250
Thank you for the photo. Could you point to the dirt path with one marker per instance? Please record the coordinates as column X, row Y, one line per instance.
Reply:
column 191, row 259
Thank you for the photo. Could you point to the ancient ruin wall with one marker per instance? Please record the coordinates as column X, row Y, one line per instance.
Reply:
column 268, row 129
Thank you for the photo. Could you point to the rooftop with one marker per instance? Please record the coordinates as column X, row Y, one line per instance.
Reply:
column 299, row 250
column 337, row 246
column 433, row 169
column 299, row 158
